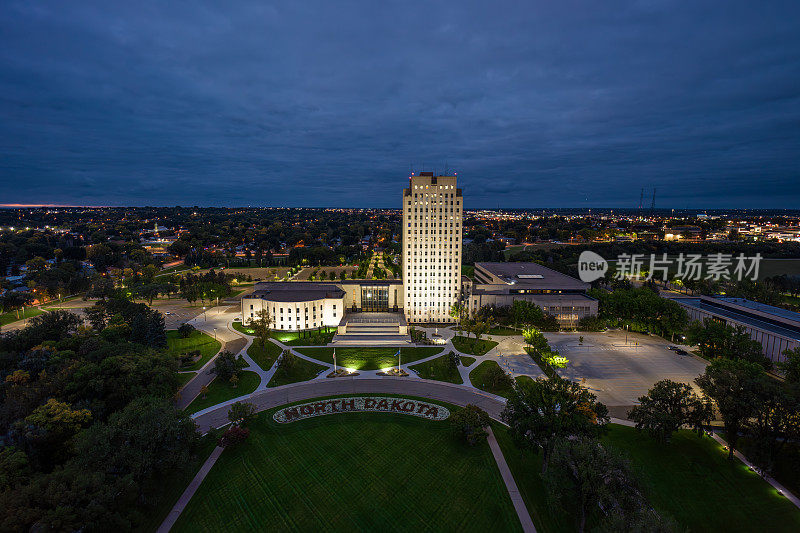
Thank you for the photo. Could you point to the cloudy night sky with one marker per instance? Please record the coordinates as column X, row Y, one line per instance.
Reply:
column 306, row 103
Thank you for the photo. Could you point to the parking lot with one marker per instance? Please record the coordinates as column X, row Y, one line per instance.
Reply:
column 619, row 372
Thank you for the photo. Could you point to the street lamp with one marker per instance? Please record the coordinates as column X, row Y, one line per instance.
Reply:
column 204, row 313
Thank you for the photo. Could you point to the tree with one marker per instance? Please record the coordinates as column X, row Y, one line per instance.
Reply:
column 717, row 339
column 156, row 330
column 286, row 361
column 774, row 421
column 203, row 391
column 732, row 384
column 790, row 366
column 585, row 475
column 234, row 380
column 453, row 360
column 667, row 407
column 470, row 424
column 536, row 339
column 46, row 434
column 241, row 413
column 261, row 325
column 541, row 411
column 457, row 311
column 147, row 437
column 185, row 330
column 227, row 364
column 497, row 378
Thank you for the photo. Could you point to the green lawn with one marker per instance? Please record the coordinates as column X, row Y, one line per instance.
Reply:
column 370, row 358
column 351, row 472
column 11, row 316
column 787, row 464
column 306, row 338
column 293, row 338
column 220, row 391
column 467, row 360
column 477, row 379
column 301, row 371
column 692, row 481
column 196, row 341
column 472, row 346
column 185, row 377
column 438, row 369
column 504, row 330
column 243, row 329
column 264, row 356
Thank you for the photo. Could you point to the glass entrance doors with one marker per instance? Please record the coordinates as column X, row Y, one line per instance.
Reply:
column 374, row 298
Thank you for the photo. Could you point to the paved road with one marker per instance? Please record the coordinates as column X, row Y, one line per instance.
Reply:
column 445, row 392
column 215, row 323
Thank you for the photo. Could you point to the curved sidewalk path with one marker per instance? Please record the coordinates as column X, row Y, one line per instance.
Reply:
column 217, row 416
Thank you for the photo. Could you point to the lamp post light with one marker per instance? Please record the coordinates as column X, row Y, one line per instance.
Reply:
column 215, row 333
column 204, row 313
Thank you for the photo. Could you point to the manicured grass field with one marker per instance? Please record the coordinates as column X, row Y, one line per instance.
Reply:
column 220, row 391
column 472, row 346
column 352, row 472
column 11, row 316
column 477, row 377
column 185, row 377
column 309, row 338
column 370, row 358
column 692, row 480
column 292, row 338
column 467, row 360
column 301, row 371
column 787, row 464
column 438, row 369
column 689, row 479
column 243, row 329
column 196, row 341
column 264, row 356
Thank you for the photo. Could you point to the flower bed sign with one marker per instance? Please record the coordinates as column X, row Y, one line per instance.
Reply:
column 372, row 404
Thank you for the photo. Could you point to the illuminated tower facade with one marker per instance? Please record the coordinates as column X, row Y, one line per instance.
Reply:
column 432, row 209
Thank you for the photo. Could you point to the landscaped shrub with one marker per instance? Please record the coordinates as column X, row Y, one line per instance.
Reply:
column 234, row 435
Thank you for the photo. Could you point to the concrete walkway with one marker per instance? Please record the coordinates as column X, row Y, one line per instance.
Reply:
column 217, row 415
column 511, row 485
column 183, row 501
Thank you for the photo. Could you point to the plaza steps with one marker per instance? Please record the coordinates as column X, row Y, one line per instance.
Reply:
column 377, row 333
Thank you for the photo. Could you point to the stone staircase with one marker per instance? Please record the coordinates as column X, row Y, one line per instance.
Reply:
column 371, row 333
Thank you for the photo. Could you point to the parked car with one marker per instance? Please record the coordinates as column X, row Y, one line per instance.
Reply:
column 681, row 352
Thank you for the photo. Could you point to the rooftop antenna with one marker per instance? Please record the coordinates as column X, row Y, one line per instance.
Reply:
column 641, row 199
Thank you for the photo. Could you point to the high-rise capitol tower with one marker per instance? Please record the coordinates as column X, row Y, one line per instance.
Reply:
column 432, row 210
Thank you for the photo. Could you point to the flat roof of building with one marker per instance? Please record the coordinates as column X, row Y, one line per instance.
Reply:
column 532, row 275
column 751, row 321
column 289, row 291
column 763, row 308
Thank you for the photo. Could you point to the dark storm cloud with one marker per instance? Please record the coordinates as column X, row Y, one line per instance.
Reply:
column 329, row 103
